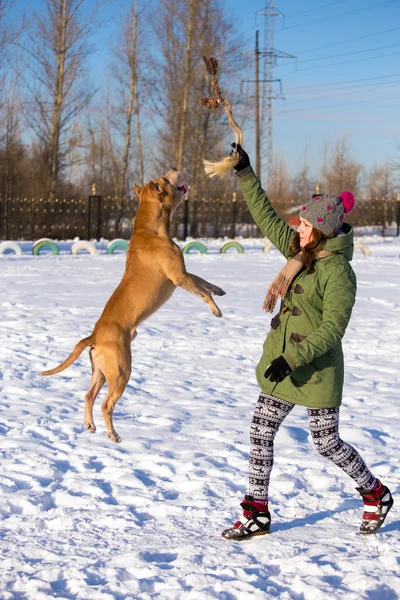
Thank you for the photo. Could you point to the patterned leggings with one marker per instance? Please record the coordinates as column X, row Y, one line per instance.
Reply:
column 324, row 426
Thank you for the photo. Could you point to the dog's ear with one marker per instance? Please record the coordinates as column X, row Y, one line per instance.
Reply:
column 137, row 191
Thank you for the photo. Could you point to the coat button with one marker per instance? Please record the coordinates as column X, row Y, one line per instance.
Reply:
column 296, row 312
column 298, row 289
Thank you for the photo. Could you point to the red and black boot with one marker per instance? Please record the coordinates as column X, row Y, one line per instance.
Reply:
column 256, row 520
column 377, row 503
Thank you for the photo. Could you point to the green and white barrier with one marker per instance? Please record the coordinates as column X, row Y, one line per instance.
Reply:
column 13, row 246
column 234, row 245
column 45, row 243
column 363, row 247
column 84, row 245
column 121, row 244
column 194, row 246
column 115, row 244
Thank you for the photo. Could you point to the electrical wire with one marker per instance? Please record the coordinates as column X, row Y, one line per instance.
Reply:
column 346, row 91
column 354, row 39
column 318, row 85
column 340, row 105
column 347, row 62
column 349, row 53
column 303, row 12
column 358, row 10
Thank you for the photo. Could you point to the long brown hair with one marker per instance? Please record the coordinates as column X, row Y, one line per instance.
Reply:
column 310, row 250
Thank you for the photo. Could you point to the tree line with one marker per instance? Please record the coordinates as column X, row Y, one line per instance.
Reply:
column 60, row 132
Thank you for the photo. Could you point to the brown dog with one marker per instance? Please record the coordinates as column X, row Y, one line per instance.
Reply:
column 154, row 268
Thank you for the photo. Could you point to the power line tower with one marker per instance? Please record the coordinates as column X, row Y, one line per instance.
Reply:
column 270, row 55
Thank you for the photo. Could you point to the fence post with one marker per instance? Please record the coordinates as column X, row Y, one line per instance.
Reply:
column 93, row 200
column 5, row 217
column 234, row 214
column 99, row 217
column 317, row 190
column 89, row 218
column 398, row 214
column 33, row 218
column 186, row 216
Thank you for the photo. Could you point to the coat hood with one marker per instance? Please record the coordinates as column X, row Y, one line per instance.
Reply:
column 342, row 243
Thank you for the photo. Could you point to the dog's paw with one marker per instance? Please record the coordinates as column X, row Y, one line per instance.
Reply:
column 114, row 437
column 90, row 427
column 217, row 313
column 215, row 290
column 218, row 291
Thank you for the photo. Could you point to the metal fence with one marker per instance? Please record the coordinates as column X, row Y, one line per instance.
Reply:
column 67, row 218
column 96, row 217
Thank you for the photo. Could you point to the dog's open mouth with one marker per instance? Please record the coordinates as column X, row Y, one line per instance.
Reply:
column 173, row 176
column 183, row 188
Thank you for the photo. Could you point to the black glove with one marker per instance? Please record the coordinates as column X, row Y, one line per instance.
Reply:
column 244, row 161
column 278, row 370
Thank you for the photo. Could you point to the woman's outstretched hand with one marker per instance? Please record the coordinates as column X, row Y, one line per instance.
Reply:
column 277, row 370
column 244, row 161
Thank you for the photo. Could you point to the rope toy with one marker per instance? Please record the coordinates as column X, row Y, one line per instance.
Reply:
column 221, row 167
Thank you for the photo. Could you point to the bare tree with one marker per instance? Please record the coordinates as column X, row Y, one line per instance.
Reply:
column 11, row 155
column 380, row 182
column 11, row 141
column 340, row 170
column 57, row 49
column 302, row 187
column 186, row 85
column 128, row 70
column 184, row 31
column 103, row 164
column 279, row 186
column 8, row 35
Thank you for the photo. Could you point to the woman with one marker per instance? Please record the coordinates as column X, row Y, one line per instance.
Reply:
column 302, row 361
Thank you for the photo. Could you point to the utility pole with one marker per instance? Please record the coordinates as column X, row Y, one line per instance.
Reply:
column 257, row 93
column 270, row 57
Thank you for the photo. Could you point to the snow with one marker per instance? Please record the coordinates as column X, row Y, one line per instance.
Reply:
column 84, row 518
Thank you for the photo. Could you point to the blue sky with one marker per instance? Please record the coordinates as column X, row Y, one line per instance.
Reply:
column 352, row 41
column 344, row 81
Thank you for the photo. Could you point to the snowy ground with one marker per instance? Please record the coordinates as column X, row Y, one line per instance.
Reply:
column 82, row 517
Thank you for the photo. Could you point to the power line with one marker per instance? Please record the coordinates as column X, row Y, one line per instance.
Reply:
column 339, row 105
column 347, row 62
column 349, row 53
column 343, row 82
column 362, row 37
column 344, row 92
column 303, row 12
column 358, row 10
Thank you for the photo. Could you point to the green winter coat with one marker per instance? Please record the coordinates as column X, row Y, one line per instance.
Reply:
column 319, row 302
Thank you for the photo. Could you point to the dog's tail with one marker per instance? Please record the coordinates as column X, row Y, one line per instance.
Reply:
column 76, row 352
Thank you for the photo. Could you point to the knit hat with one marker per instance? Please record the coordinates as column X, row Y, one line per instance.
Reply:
column 325, row 212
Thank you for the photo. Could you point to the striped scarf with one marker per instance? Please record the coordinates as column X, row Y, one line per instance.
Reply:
column 282, row 281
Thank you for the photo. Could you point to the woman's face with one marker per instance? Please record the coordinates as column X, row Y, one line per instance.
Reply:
column 305, row 232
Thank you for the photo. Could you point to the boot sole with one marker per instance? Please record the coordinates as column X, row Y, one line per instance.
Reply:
column 241, row 539
column 383, row 520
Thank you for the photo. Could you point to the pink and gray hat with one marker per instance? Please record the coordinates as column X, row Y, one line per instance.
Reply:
column 326, row 212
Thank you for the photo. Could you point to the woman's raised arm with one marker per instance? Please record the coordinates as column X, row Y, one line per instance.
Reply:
column 272, row 226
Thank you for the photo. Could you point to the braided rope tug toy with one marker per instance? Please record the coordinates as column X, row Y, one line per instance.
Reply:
column 221, row 167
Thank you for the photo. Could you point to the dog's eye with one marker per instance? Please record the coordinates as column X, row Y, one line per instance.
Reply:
column 155, row 186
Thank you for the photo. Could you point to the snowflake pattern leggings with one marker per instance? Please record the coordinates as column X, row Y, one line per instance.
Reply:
column 324, row 426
